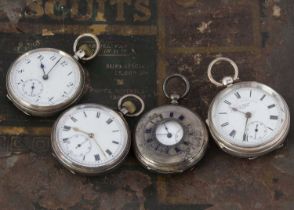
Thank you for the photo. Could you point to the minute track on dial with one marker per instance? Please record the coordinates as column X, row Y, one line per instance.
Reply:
column 247, row 110
column 110, row 140
column 51, row 88
column 247, row 119
column 99, row 135
column 62, row 77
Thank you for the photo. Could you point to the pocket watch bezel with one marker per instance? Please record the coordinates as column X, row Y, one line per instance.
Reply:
column 172, row 168
column 86, row 170
column 249, row 152
column 44, row 111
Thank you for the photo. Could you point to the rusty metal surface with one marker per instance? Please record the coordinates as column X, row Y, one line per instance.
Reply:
column 143, row 41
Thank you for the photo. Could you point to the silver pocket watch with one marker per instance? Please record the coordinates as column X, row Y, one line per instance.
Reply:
column 91, row 139
column 246, row 119
column 170, row 138
column 45, row 81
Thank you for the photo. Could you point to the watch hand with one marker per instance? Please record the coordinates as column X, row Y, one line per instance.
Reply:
column 79, row 145
column 46, row 75
column 33, row 87
column 245, row 136
column 237, row 110
column 256, row 130
column 248, row 116
column 99, row 147
column 161, row 117
column 166, row 127
column 91, row 135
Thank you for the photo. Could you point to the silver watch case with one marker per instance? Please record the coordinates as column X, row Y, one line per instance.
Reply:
column 44, row 111
column 249, row 152
column 172, row 164
column 83, row 170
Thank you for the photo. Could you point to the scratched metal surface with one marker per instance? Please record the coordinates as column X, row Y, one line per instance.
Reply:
column 143, row 41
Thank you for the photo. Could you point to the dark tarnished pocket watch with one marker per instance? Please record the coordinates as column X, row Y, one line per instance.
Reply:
column 45, row 81
column 170, row 138
column 91, row 139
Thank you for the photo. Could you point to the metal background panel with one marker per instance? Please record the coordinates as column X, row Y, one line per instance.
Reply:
column 142, row 42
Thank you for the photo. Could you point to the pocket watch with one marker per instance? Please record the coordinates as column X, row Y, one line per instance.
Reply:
column 246, row 119
column 91, row 139
column 45, row 81
column 170, row 138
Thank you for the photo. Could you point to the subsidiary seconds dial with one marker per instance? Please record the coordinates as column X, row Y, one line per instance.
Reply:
column 32, row 88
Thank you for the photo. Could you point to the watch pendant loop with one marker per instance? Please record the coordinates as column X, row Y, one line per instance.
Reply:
column 226, row 80
column 174, row 96
column 128, row 105
column 85, row 52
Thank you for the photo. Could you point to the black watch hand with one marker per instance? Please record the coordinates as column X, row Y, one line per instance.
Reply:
column 44, row 73
column 248, row 116
column 161, row 117
column 256, row 130
column 79, row 145
column 33, row 87
column 45, row 77
column 165, row 127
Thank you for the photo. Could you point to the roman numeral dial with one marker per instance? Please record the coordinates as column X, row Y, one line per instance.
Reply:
column 170, row 134
column 92, row 136
column 247, row 116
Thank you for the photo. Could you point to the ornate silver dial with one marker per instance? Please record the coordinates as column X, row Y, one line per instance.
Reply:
column 170, row 139
column 90, row 139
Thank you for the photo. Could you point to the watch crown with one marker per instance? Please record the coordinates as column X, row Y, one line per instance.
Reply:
column 227, row 81
column 128, row 107
column 174, row 98
column 87, row 50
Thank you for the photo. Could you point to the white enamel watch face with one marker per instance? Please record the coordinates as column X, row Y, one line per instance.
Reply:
column 90, row 139
column 44, row 80
column 169, row 132
column 249, row 115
